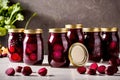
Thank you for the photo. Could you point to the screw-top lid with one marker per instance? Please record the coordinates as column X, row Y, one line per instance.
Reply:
column 16, row 30
column 78, row 54
column 33, row 31
column 109, row 29
column 114, row 29
column 58, row 30
column 75, row 26
column 91, row 29
column 104, row 29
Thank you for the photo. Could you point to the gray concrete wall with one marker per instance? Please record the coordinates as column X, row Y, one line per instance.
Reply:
column 57, row 13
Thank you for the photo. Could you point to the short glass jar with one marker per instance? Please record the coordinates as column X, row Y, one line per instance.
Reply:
column 110, row 43
column 15, row 44
column 93, row 42
column 58, row 46
column 33, row 52
column 75, row 33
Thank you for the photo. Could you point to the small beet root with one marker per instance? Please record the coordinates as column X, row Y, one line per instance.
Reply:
column 26, row 71
column 94, row 66
column 110, row 70
column 91, row 71
column 18, row 69
column 101, row 69
column 114, row 61
column 81, row 69
column 42, row 71
column 10, row 71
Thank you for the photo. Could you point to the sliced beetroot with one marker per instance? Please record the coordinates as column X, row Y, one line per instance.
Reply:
column 33, row 57
column 28, row 51
column 16, row 57
column 10, row 71
column 32, row 47
column 58, row 47
column 42, row 71
column 113, row 45
column 101, row 69
column 81, row 69
column 12, row 49
column 26, row 71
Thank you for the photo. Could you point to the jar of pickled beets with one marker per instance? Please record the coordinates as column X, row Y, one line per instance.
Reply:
column 110, row 43
column 75, row 33
column 33, row 52
column 15, row 44
column 58, row 46
column 93, row 42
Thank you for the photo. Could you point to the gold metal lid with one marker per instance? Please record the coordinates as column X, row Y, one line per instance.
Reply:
column 58, row 30
column 78, row 54
column 114, row 29
column 16, row 30
column 91, row 29
column 33, row 31
column 109, row 29
column 71, row 26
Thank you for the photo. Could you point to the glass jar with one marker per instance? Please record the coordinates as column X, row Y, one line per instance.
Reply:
column 93, row 42
column 110, row 43
column 15, row 44
column 75, row 33
column 33, row 47
column 58, row 46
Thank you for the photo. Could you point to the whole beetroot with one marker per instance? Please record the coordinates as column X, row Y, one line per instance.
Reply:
column 110, row 70
column 101, row 69
column 81, row 69
column 26, row 71
column 18, row 69
column 10, row 71
column 42, row 71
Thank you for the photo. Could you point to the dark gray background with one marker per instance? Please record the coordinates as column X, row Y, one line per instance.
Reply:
column 57, row 13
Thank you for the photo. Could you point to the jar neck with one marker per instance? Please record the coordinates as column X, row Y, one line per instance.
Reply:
column 93, row 33
column 58, row 34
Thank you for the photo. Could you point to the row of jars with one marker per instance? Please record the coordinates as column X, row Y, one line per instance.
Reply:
column 27, row 45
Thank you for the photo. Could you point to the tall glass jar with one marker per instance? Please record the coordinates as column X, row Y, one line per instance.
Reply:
column 33, row 47
column 75, row 33
column 110, row 43
column 15, row 44
column 93, row 42
column 58, row 46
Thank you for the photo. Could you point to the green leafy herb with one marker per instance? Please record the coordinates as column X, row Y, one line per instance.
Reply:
column 9, row 15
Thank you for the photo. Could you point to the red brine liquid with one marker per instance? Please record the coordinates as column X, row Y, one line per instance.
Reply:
column 33, row 47
column 15, row 45
column 75, row 33
column 93, row 42
column 58, row 46
column 110, row 43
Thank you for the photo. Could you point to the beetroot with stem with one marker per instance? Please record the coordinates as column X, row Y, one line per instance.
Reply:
column 10, row 71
